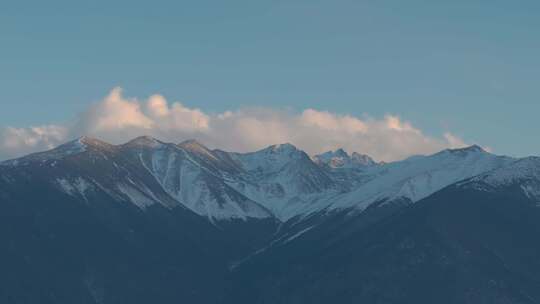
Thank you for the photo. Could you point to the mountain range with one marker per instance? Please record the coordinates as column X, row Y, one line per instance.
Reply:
column 155, row 222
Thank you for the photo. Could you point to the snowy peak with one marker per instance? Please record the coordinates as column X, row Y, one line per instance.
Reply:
column 362, row 159
column 279, row 181
column 71, row 148
column 78, row 145
column 285, row 148
column 329, row 155
column 90, row 141
column 270, row 159
column 214, row 160
column 143, row 142
column 86, row 143
column 274, row 156
column 474, row 149
column 195, row 147
column 283, row 179
column 192, row 143
column 341, row 159
column 420, row 176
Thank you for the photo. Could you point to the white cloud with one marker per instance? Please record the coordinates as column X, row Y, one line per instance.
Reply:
column 18, row 141
column 118, row 119
column 115, row 113
column 454, row 141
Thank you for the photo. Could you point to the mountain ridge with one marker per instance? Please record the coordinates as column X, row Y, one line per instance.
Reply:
column 281, row 178
column 90, row 222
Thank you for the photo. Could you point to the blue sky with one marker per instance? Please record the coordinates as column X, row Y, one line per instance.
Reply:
column 468, row 67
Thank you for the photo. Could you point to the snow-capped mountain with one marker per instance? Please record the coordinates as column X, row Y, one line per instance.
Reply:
column 193, row 176
column 341, row 159
column 91, row 222
column 522, row 175
column 419, row 176
column 280, row 181
column 474, row 241
column 283, row 179
column 144, row 171
column 348, row 170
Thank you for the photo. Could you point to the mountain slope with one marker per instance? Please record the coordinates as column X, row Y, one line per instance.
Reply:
column 148, row 221
column 144, row 172
column 92, row 225
column 472, row 242
column 419, row 176
column 280, row 181
column 195, row 177
column 284, row 179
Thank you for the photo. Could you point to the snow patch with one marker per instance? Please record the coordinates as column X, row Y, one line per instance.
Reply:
column 135, row 196
column 77, row 186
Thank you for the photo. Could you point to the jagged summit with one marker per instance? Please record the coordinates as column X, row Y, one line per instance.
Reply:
column 470, row 149
column 341, row 152
column 363, row 159
column 282, row 148
column 91, row 142
column 193, row 144
column 280, row 178
column 77, row 145
column 144, row 141
column 341, row 159
column 87, row 140
column 73, row 147
column 274, row 156
column 191, row 141
column 336, row 153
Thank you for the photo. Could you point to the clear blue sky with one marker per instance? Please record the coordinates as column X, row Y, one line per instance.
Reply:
column 472, row 67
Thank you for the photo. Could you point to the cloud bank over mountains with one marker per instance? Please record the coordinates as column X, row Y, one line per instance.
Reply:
column 117, row 119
